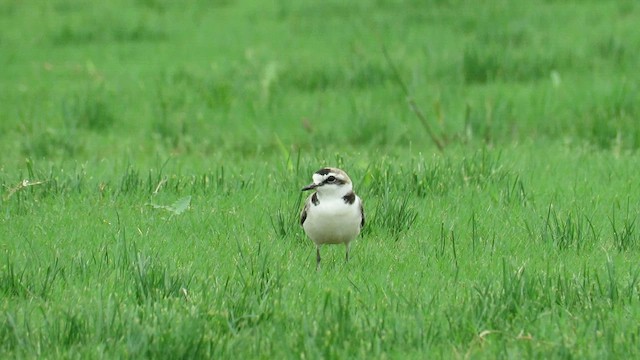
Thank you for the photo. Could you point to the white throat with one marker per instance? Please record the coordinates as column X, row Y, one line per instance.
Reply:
column 328, row 192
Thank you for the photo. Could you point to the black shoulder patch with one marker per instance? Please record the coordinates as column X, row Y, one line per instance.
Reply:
column 314, row 199
column 303, row 217
column 324, row 171
column 349, row 198
column 361, row 213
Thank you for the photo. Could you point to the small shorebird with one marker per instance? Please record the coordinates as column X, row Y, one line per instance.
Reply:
column 333, row 214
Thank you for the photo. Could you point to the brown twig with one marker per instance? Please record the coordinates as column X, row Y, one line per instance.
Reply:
column 412, row 104
column 21, row 185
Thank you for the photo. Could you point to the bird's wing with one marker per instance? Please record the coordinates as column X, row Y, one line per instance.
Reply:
column 303, row 213
column 361, row 214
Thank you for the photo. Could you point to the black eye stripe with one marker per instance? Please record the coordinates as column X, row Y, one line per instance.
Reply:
column 334, row 180
column 330, row 180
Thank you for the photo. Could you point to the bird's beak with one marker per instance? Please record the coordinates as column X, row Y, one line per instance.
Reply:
column 310, row 187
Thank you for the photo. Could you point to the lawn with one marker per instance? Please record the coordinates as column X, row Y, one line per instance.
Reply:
column 152, row 155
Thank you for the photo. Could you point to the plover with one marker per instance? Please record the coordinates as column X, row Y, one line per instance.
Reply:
column 333, row 214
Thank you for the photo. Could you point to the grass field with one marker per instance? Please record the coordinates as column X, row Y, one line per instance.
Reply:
column 152, row 153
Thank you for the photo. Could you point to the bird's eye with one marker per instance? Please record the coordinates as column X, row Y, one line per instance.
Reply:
column 331, row 179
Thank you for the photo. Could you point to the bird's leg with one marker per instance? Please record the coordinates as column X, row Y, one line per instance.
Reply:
column 347, row 256
column 317, row 257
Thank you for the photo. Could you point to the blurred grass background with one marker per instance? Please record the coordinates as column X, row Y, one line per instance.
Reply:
column 88, row 81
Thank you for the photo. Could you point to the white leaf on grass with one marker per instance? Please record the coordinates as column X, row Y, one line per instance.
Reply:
column 181, row 205
column 178, row 207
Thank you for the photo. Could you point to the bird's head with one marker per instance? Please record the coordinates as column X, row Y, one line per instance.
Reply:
column 330, row 182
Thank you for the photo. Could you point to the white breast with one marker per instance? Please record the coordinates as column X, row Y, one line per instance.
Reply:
column 333, row 221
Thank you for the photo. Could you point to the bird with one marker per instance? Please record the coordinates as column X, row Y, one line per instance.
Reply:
column 333, row 214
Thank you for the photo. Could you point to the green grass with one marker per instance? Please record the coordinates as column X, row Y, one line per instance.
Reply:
column 152, row 155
